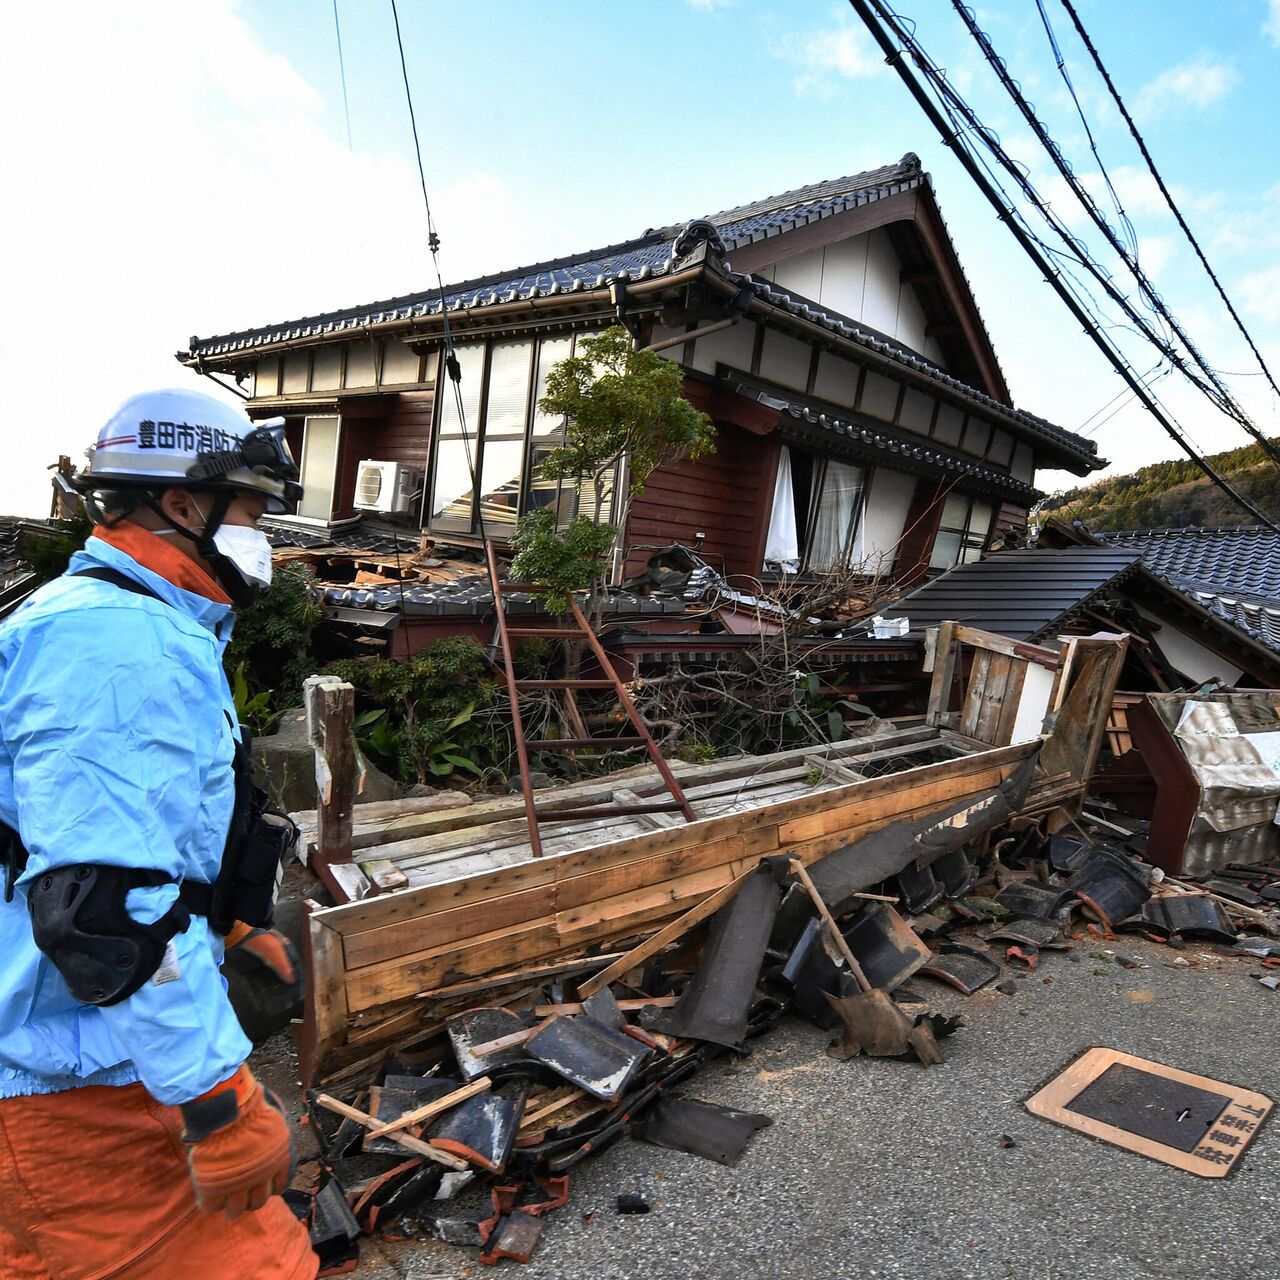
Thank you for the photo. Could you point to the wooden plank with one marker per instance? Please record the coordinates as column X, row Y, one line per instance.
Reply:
column 331, row 706
column 604, row 917
column 429, row 1110
column 409, row 1143
column 412, row 904
column 944, row 666
column 376, row 946
column 662, row 939
column 325, row 1013
column 1002, row 734
column 994, row 643
column 974, row 693
column 990, row 701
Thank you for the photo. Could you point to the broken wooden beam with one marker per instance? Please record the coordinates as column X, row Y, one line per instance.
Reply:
column 416, row 1145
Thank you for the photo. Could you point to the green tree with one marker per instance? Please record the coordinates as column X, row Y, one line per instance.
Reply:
column 623, row 408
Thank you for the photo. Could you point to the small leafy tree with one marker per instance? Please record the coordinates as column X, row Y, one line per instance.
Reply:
column 270, row 650
column 431, row 716
column 619, row 405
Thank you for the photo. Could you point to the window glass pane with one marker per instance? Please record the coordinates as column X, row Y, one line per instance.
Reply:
column 508, row 403
column 839, row 505
column 451, row 492
column 587, row 499
column 954, row 512
column 471, row 361
column 550, row 353
column 946, row 548
column 451, row 497
column 980, row 521
column 548, row 493
column 319, row 467
column 500, row 482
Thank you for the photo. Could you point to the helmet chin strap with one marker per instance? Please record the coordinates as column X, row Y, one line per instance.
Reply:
column 229, row 577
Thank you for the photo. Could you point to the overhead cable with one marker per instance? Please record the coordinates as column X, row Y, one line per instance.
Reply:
column 452, row 367
column 898, row 45
column 1164, row 190
column 1224, row 399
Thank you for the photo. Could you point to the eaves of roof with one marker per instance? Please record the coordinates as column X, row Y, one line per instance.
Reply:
column 917, row 454
column 1079, row 450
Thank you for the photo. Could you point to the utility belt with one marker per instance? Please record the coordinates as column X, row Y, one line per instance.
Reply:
column 78, row 912
column 258, row 840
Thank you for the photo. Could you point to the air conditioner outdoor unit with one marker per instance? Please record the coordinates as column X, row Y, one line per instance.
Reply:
column 386, row 486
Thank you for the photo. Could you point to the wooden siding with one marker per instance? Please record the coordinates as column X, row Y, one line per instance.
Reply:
column 388, row 428
column 1009, row 517
column 726, row 496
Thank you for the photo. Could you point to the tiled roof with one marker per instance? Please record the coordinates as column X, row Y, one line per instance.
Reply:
column 640, row 259
column 1234, row 571
column 1243, row 558
column 1025, row 595
column 908, row 447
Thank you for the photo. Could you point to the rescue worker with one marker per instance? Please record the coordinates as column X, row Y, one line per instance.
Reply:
column 135, row 1142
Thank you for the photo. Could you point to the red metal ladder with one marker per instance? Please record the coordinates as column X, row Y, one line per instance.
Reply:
column 640, row 738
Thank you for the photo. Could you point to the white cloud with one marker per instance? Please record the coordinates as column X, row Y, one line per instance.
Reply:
column 177, row 177
column 1199, row 82
column 843, row 50
column 1271, row 26
column 1259, row 293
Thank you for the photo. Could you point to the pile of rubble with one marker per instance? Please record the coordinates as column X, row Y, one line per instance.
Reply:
column 520, row 1090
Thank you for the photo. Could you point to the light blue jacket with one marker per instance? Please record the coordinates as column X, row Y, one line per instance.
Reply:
column 116, row 739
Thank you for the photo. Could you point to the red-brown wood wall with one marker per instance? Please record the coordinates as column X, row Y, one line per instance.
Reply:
column 726, row 495
column 391, row 428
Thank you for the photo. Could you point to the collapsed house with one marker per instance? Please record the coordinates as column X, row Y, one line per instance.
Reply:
column 861, row 415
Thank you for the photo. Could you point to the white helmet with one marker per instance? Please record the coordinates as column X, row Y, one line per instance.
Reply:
column 160, row 439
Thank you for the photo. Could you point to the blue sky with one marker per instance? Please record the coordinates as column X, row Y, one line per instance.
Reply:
column 185, row 169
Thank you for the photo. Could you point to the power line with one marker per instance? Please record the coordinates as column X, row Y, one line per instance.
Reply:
column 452, row 367
column 1224, row 400
column 1218, row 394
column 1164, row 190
column 881, row 22
column 342, row 72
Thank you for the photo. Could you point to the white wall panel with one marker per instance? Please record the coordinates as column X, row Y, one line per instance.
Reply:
column 326, row 369
column 911, row 321
column 729, row 346
column 844, row 276
column 947, row 429
column 1187, row 654
column 399, row 363
column 785, row 360
column 296, row 364
column 837, row 380
column 879, row 396
column 880, row 297
column 885, row 517
column 801, row 274
column 360, row 364
column 917, row 411
column 1024, row 466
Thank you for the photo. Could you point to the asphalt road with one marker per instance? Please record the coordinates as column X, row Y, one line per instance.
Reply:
column 886, row 1169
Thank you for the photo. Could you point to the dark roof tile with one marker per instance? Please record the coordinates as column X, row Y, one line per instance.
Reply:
column 1024, row 595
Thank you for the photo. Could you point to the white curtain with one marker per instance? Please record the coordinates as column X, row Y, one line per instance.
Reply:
column 782, row 544
column 839, row 506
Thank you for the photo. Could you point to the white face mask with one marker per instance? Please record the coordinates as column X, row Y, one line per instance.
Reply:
column 247, row 549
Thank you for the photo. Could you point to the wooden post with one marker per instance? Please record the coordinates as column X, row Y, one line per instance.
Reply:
column 331, row 706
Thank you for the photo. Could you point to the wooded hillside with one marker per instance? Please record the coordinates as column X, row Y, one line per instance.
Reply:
column 1170, row 495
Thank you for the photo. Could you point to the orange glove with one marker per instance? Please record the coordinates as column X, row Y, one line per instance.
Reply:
column 264, row 980
column 239, row 1147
